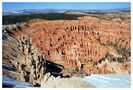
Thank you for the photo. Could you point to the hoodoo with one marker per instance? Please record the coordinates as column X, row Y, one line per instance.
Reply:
column 81, row 46
column 66, row 48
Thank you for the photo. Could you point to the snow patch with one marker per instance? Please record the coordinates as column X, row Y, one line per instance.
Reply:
column 109, row 80
column 15, row 83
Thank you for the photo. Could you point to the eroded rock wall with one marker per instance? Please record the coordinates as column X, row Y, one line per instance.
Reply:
column 81, row 45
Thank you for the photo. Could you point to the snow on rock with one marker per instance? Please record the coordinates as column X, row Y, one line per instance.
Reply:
column 9, row 82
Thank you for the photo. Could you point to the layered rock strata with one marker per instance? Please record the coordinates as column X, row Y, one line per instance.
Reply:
column 82, row 46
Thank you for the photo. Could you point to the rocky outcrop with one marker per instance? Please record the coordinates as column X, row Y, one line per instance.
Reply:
column 78, row 45
column 24, row 62
column 73, row 82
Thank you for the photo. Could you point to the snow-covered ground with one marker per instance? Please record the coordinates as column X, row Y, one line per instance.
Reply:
column 109, row 80
column 7, row 81
column 98, row 80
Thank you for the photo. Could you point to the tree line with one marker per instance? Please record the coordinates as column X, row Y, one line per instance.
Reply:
column 13, row 19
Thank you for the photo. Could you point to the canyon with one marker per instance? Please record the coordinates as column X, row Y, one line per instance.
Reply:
column 66, row 48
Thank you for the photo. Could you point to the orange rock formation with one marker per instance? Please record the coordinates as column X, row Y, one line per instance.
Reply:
column 82, row 46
